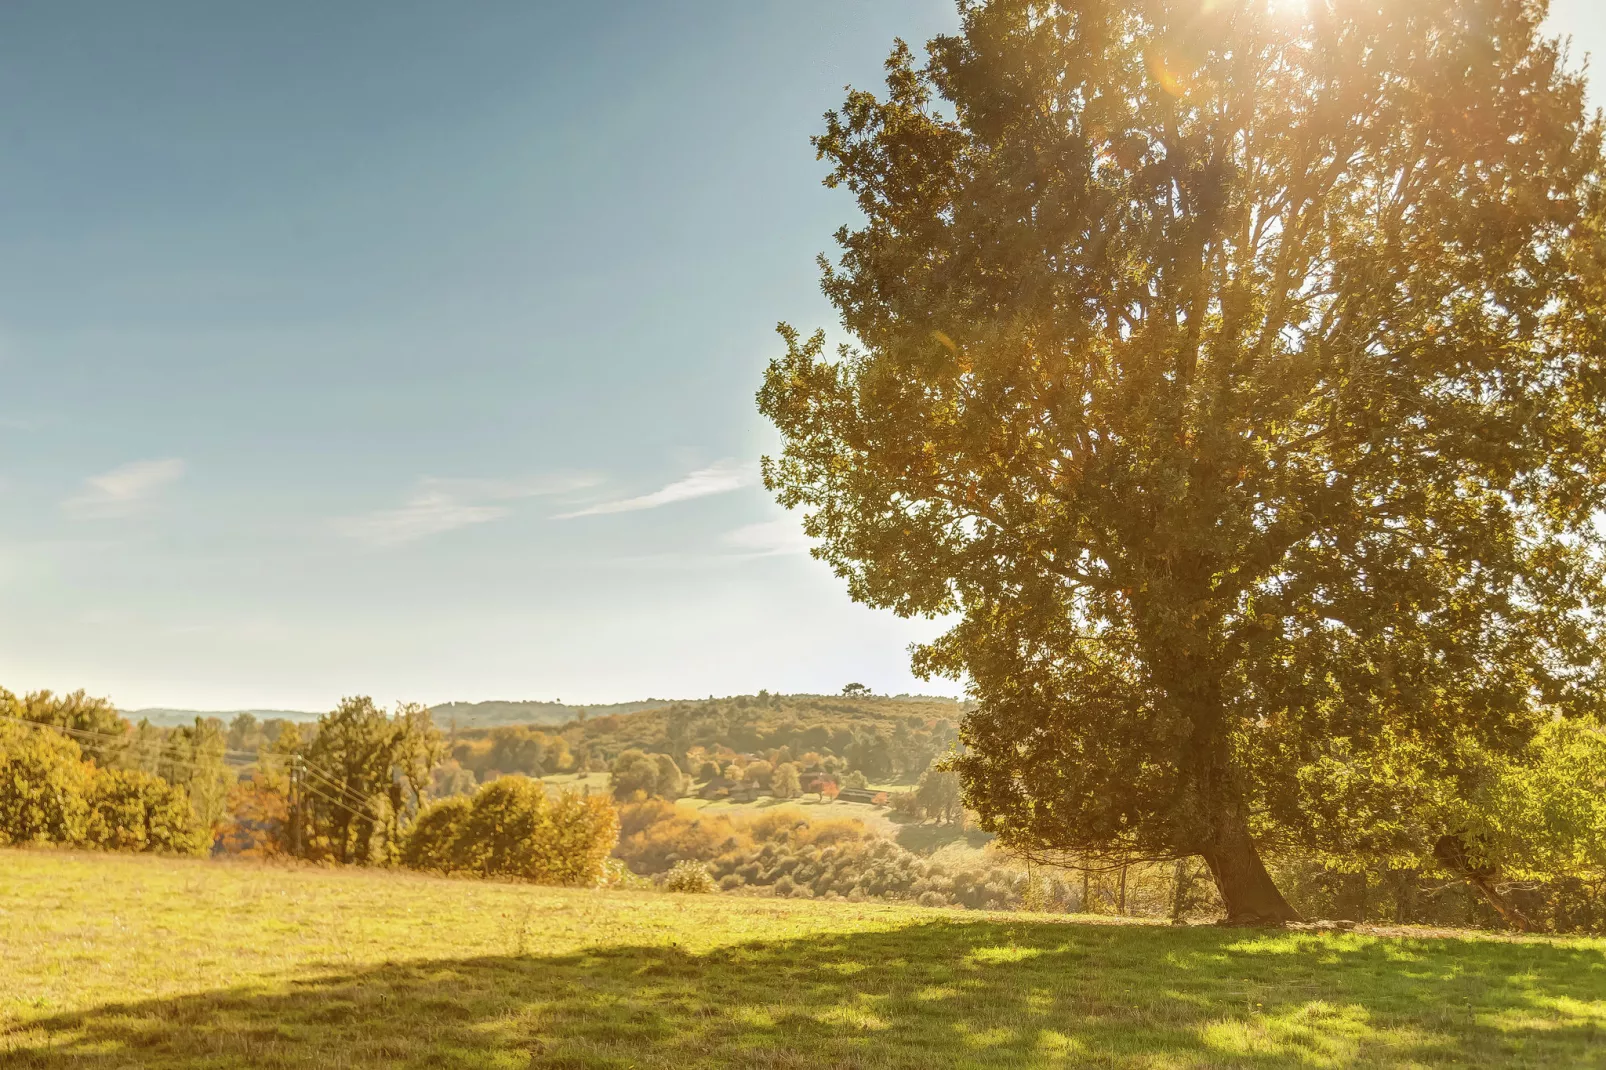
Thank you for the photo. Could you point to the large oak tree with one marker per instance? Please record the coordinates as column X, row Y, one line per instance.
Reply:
column 1233, row 371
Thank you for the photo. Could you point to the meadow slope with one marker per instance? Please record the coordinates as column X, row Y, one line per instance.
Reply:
column 117, row 961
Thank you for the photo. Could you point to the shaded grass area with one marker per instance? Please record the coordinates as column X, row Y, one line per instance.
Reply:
column 454, row 974
column 924, row 839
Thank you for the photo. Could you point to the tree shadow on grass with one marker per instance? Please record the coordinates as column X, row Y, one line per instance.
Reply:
column 947, row 992
column 921, row 838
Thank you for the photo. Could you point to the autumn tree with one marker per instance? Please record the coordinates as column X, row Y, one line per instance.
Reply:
column 939, row 797
column 93, row 721
column 636, row 775
column 44, row 787
column 130, row 810
column 50, row 793
column 194, row 757
column 368, row 774
column 1233, row 372
column 511, row 828
column 759, row 774
column 785, row 783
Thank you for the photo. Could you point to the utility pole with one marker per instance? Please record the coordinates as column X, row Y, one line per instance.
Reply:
column 295, row 806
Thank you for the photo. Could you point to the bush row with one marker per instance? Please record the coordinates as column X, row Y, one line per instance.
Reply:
column 783, row 852
column 873, row 869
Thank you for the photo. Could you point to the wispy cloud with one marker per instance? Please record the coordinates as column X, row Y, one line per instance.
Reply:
column 769, row 538
column 441, row 505
column 124, row 489
column 718, row 478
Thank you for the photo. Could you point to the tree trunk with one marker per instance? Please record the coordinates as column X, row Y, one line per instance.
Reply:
column 1451, row 853
column 1180, row 882
column 1250, row 895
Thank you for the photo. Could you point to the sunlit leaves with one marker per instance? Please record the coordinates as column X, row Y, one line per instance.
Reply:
column 1238, row 375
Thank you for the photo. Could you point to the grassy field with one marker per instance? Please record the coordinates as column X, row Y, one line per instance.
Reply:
column 117, row 961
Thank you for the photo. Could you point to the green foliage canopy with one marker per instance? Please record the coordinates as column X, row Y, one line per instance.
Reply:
column 376, row 773
column 1234, row 372
column 511, row 828
column 637, row 775
column 44, row 787
column 49, row 794
column 134, row 811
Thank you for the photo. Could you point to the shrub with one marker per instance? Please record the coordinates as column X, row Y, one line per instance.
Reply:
column 789, row 824
column 759, row 773
column 583, row 830
column 785, row 783
column 783, row 850
column 635, row 775
column 512, row 829
column 44, row 787
column 906, row 804
column 432, row 844
column 498, row 834
column 689, row 876
column 654, row 835
column 49, row 794
column 134, row 811
column 615, row 874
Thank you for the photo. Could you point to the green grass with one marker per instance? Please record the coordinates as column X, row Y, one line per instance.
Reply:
column 116, row 961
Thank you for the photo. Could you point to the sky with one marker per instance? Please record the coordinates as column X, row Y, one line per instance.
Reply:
column 409, row 349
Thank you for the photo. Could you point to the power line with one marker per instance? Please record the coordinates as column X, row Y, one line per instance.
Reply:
column 338, row 794
column 85, row 733
column 148, row 749
column 331, row 799
column 133, row 742
column 334, row 784
column 131, row 739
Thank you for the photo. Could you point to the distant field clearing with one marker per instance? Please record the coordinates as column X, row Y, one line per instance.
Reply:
column 119, row 961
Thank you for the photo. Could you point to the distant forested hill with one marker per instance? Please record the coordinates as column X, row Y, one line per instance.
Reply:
column 485, row 714
column 168, row 718
column 465, row 714
column 886, row 738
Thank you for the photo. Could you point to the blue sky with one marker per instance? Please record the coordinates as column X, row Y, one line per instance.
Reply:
column 410, row 349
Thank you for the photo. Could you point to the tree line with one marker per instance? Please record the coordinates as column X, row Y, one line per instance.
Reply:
column 363, row 786
column 881, row 739
column 354, row 788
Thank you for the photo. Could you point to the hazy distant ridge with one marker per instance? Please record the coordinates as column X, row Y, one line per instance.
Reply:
column 160, row 715
column 466, row 714
column 480, row 714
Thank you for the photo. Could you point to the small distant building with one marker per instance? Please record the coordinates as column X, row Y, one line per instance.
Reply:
column 717, row 788
column 736, row 791
column 858, row 795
